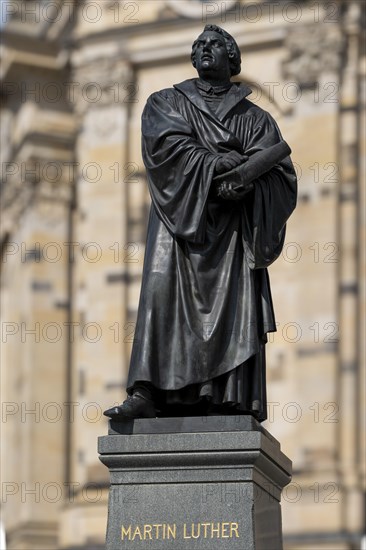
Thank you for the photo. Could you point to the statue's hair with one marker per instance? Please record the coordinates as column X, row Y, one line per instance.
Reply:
column 231, row 47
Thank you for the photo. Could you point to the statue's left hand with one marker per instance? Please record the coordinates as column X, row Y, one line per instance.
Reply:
column 226, row 191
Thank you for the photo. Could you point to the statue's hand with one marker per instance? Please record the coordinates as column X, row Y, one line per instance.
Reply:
column 228, row 161
column 231, row 185
column 226, row 191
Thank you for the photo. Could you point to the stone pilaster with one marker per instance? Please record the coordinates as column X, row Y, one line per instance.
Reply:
column 103, row 88
column 351, row 314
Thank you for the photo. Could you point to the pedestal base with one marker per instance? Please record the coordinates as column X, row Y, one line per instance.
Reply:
column 207, row 483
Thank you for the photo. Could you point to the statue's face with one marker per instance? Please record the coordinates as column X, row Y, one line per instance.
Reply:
column 211, row 55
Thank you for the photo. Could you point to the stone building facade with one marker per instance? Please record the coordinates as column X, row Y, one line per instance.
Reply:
column 75, row 77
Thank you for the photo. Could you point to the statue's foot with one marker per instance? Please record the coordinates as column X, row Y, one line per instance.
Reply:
column 135, row 406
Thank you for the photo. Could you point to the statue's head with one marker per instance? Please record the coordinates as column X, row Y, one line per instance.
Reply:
column 232, row 49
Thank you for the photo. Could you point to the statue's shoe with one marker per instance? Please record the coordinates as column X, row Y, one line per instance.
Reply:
column 135, row 406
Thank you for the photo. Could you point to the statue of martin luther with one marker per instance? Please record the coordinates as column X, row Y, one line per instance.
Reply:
column 205, row 306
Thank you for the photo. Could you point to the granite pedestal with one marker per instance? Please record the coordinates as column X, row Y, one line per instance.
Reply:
column 204, row 483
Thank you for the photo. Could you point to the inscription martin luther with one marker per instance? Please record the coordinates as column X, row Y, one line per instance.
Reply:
column 166, row 531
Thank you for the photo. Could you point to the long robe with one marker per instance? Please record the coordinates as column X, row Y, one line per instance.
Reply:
column 205, row 304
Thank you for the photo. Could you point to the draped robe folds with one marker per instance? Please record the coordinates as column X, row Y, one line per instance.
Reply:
column 205, row 304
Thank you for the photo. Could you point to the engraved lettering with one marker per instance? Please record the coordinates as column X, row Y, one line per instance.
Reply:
column 215, row 530
column 126, row 532
column 185, row 536
column 234, row 527
column 147, row 531
column 137, row 532
column 224, row 527
column 205, row 526
column 156, row 531
column 172, row 531
column 197, row 534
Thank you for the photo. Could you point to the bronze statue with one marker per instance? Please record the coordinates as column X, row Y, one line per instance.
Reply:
column 222, row 187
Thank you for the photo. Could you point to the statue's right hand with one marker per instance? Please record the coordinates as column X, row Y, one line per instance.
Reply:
column 228, row 161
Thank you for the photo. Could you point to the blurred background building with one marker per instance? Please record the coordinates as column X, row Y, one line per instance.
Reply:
column 74, row 204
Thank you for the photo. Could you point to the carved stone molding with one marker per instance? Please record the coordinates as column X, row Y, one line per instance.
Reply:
column 15, row 201
column 36, row 180
column 108, row 4
column 196, row 8
column 312, row 51
column 102, row 81
column 103, row 127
